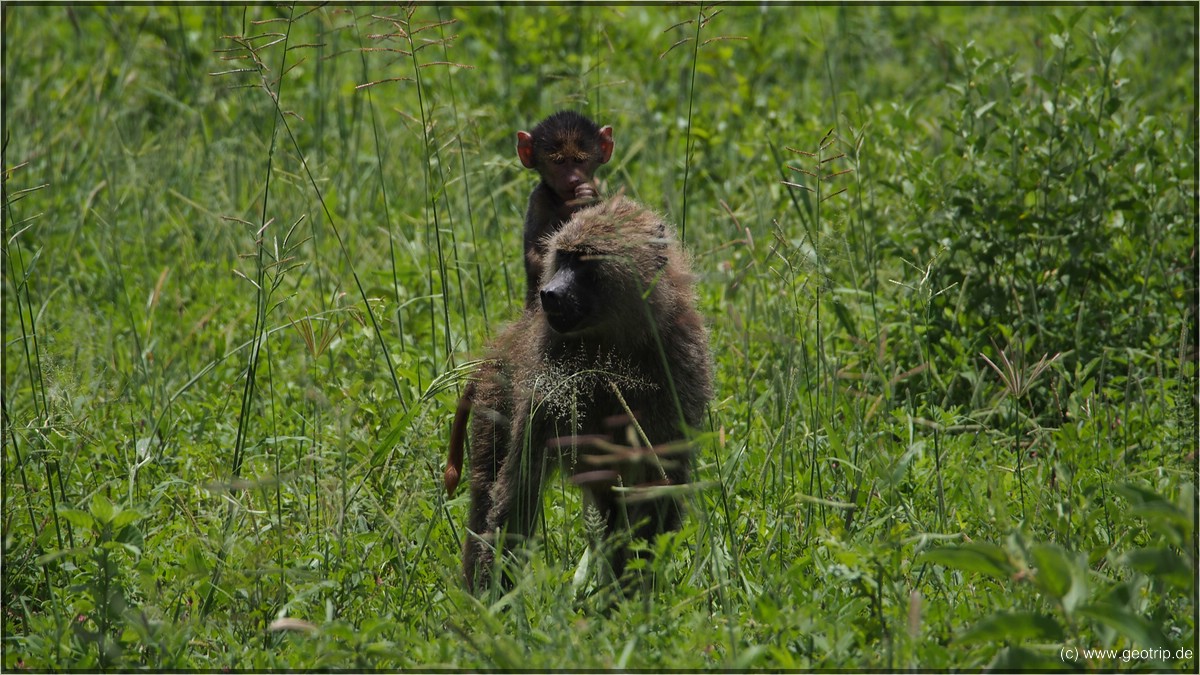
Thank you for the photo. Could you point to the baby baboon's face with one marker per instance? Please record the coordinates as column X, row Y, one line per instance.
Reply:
column 566, row 149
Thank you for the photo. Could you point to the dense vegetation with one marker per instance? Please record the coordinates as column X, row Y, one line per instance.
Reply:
column 948, row 257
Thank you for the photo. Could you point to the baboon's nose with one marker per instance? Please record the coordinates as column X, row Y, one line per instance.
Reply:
column 552, row 300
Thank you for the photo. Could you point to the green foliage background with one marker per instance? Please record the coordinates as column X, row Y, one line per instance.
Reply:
column 955, row 422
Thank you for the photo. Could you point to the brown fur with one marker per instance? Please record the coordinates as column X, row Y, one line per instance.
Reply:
column 641, row 347
column 565, row 149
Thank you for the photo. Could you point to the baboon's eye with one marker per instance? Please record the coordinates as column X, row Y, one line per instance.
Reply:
column 564, row 259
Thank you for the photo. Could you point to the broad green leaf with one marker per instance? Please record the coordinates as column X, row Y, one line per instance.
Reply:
column 1074, row 18
column 1160, row 514
column 985, row 558
column 102, row 509
column 1053, row 569
column 124, row 518
column 135, row 551
column 339, row 630
column 130, row 536
column 747, row 658
column 77, row 518
column 1165, row 518
column 1060, row 574
column 1019, row 659
column 1140, row 632
column 55, row 555
column 1013, row 627
column 193, row 560
column 1136, row 494
column 1162, row 563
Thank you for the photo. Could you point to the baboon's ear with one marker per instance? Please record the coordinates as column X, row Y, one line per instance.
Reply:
column 606, row 144
column 525, row 149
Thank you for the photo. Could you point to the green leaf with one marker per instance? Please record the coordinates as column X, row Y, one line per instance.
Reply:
column 50, row 557
column 389, row 442
column 982, row 110
column 1018, row 659
column 124, row 518
column 1137, row 494
column 338, row 630
column 985, row 558
column 1013, row 627
column 1074, row 19
column 193, row 560
column 1060, row 574
column 102, row 509
column 77, row 518
column 130, row 536
column 1140, row 632
column 1162, row 563
column 135, row 551
column 748, row 658
column 1163, row 516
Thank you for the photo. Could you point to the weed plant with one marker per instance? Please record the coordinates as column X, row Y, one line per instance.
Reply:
column 948, row 257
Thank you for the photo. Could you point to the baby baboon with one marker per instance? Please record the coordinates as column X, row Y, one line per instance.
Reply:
column 616, row 336
column 565, row 149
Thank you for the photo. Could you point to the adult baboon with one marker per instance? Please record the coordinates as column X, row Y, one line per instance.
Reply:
column 615, row 335
column 565, row 149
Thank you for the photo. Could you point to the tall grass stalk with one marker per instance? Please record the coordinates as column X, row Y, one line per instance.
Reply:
column 383, row 189
column 459, row 125
column 700, row 20
column 704, row 14
column 816, row 174
column 261, row 296
column 1018, row 380
column 433, row 224
column 19, row 274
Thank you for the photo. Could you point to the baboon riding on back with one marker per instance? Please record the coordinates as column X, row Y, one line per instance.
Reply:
column 605, row 375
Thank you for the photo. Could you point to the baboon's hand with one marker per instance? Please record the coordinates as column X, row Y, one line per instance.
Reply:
column 585, row 192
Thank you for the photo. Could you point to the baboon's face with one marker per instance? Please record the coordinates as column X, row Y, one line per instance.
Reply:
column 569, row 296
column 571, row 162
column 566, row 157
column 603, row 271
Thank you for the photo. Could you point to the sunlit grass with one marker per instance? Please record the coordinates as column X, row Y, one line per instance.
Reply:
column 947, row 257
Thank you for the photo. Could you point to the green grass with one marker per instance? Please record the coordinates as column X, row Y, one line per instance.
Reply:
column 955, row 422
